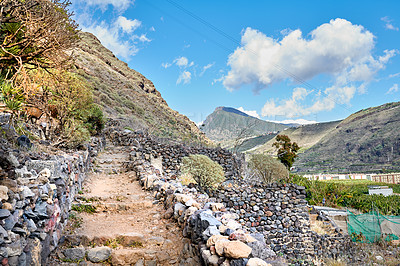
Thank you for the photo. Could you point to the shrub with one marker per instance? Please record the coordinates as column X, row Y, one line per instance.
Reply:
column 206, row 173
column 265, row 168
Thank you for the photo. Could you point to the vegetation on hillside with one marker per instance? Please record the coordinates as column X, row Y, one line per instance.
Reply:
column 127, row 97
column 367, row 141
column 351, row 194
column 36, row 72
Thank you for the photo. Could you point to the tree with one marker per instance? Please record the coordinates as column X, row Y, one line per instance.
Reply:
column 267, row 169
column 207, row 173
column 34, row 33
column 286, row 150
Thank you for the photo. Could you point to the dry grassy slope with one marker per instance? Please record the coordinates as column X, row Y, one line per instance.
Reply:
column 305, row 136
column 127, row 95
column 368, row 140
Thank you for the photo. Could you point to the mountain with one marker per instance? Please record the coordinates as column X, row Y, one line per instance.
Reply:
column 227, row 123
column 128, row 96
column 305, row 136
column 366, row 141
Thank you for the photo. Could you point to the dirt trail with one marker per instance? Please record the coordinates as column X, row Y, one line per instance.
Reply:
column 125, row 218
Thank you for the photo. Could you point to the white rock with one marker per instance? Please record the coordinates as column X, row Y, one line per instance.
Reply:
column 257, row 262
column 3, row 193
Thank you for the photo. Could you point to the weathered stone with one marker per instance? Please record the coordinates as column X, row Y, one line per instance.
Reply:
column 44, row 176
column 257, row 262
column 210, row 231
column 99, row 254
column 236, row 250
column 4, row 213
column 214, row 238
column 3, row 193
column 74, row 254
column 220, row 246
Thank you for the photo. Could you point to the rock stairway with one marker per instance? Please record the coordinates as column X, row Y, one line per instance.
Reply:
column 125, row 225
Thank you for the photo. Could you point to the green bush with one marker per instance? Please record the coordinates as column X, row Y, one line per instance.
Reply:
column 206, row 173
column 267, row 169
column 93, row 119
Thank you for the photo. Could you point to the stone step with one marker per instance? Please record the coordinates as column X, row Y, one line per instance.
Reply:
column 112, row 207
column 141, row 257
column 122, row 206
column 117, row 197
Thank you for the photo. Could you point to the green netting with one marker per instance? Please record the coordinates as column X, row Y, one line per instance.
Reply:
column 372, row 227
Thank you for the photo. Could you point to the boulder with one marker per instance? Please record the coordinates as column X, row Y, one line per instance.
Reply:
column 236, row 250
column 98, row 254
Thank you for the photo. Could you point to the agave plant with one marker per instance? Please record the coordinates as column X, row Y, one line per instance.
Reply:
column 12, row 97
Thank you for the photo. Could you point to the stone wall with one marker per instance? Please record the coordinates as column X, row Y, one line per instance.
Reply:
column 146, row 147
column 36, row 193
column 269, row 223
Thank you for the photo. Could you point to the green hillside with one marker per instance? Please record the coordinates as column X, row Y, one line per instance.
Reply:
column 366, row 141
column 305, row 136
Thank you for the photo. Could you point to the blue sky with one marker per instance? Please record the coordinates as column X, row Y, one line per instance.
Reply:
column 278, row 60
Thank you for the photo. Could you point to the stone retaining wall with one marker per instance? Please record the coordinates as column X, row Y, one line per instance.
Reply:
column 269, row 223
column 146, row 147
column 36, row 193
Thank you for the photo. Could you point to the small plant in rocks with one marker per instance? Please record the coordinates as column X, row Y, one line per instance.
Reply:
column 204, row 171
column 83, row 208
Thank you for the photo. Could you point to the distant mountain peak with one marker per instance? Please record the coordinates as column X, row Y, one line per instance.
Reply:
column 231, row 110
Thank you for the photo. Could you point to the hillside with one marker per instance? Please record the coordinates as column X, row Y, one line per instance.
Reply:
column 227, row 123
column 305, row 136
column 127, row 96
column 368, row 140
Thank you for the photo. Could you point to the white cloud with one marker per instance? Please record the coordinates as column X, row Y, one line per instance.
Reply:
column 206, row 67
column 393, row 89
column 296, row 121
column 250, row 113
column 181, row 61
column 339, row 49
column 127, row 25
column 335, row 48
column 111, row 39
column 389, row 24
column 120, row 5
column 394, row 75
column 152, row 29
column 295, row 106
column 166, row 65
column 184, row 77
column 142, row 38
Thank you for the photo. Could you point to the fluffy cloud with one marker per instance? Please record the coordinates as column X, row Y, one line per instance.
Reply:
column 339, row 49
column 296, row 121
column 389, row 24
column 127, row 25
column 184, row 77
column 183, row 63
column 335, row 48
column 250, row 113
column 393, row 89
column 120, row 5
column 296, row 106
column 110, row 38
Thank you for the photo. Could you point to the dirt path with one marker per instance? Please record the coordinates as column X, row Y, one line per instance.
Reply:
column 125, row 219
